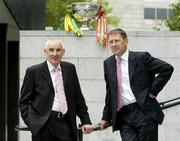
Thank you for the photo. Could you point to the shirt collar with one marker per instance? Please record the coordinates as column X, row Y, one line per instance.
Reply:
column 125, row 56
column 51, row 67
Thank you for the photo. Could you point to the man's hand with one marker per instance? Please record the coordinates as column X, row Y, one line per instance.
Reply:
column 87, row 128
column 102, row 124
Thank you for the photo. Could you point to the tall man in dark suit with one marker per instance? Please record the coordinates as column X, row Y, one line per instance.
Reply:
column 51, row 98
column 133, row 81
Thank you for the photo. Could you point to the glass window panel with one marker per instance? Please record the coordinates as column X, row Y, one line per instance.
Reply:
column 161, row 13
column 149, row 13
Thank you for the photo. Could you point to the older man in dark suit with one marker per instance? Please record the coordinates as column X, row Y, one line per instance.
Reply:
column 133, row 81
column 51, row 98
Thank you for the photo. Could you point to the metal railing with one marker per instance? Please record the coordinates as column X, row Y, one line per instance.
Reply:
column 79, row 131
column 164, row 105
column 172, row 103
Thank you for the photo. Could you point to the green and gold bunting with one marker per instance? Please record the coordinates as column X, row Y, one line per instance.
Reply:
column 71, row 25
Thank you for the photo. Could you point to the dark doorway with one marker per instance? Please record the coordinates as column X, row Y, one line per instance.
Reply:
column 3, row 32
column 13, row 89
column 9, row 86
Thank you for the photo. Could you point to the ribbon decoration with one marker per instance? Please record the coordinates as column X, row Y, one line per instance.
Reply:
column 71, row 25
column 101, row 32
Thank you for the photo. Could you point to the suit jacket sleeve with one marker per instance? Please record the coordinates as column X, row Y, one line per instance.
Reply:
column 162, row 71
column 25, row 98
column 81, row 107
column 107, row 107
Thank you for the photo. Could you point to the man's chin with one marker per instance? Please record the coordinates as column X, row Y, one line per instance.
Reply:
column 115, row 53
column 55, row 63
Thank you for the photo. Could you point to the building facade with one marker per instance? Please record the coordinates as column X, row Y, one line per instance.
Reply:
column 141, row 15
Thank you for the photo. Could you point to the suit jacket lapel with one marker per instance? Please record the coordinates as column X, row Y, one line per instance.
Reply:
column 132, row 64
column 64, row 73
column 46, row 74
column 113, row 71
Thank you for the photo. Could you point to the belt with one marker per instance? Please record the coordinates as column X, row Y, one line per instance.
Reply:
column 58, row 114
column 130, row 106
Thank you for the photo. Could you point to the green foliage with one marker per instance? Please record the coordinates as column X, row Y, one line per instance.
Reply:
column 56, row 11
column 113, row 20
column 173, row 22
column 158, row 25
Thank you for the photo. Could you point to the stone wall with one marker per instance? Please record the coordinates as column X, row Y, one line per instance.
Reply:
column 88, row 58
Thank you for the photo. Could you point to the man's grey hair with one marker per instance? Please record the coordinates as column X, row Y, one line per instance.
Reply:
column 55, row 40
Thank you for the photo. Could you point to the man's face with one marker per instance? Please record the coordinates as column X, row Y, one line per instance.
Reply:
column 54, row 52
column 117, row 44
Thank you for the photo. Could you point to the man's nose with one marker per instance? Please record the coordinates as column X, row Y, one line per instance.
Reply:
column 54, row 52
column 113, row 43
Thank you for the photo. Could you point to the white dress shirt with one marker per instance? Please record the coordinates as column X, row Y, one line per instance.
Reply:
column 127, row 94
column 56, row 102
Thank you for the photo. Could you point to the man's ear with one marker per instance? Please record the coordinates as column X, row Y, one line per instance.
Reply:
column 126, row 41
column 45, row 52
column 63, row 51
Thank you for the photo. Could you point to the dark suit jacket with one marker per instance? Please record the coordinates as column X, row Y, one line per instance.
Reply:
column 147, row 74
column 37, row 95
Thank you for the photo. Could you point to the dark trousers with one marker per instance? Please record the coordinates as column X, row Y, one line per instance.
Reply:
column 134, row 124
column 57, row 128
